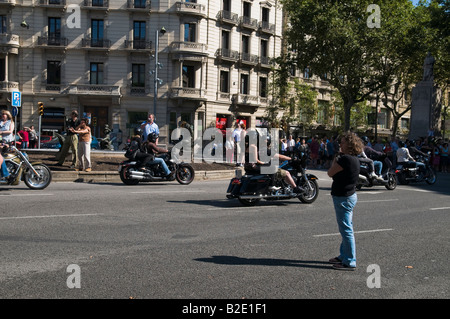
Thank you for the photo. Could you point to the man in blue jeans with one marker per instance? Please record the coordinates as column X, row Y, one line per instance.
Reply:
column 151, row 148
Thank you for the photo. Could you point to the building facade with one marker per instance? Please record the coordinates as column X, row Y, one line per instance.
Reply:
column 100, row 57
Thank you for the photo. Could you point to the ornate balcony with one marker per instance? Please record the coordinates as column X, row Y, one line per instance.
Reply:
column 52, row 42
column 96, row 44
column 187, row 93
column 139, row 5
column 189, row 47
column 227, row 55
column 95, row 4
column 265, row 62
column 266, row 27
column 138, row 45
column 53, row 3
column 248, row 23
column 248, row 59
column 94, row 89
column 7, row 3
column 9, row 43
column 190, row 8
column 8, row 86
column 228, row 17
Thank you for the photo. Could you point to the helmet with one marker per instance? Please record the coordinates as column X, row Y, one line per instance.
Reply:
column 152, row 137
column 365, row 139
column 138, row 131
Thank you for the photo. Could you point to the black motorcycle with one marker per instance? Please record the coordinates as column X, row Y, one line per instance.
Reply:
column 250, row 188
column 131, row 175
column 409, row 172
column 389, row 180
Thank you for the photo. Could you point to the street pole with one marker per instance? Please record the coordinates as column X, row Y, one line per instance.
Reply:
column 155, row 92
column 39, row 136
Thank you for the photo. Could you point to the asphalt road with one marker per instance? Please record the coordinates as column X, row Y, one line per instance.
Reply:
column 172, row 241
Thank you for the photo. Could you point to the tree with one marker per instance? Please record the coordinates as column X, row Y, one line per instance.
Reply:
column 334, row 38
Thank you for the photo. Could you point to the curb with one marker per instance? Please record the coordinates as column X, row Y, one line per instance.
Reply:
column 113, row 177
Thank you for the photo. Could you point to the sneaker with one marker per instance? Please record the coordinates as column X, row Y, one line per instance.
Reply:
column 88, row 169
column 274, row 188
column 341, row 266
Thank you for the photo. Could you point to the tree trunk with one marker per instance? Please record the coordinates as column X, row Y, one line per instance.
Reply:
column 348, row 104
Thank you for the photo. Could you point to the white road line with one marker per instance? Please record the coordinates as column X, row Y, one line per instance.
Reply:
column 439, row 208
column 414, row 189
column 356, row 232
column 48, row 216
column 25, row 195
column 165, row 192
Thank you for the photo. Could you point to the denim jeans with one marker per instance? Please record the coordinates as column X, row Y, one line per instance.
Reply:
column 344, row 212
column 378, row 167
column 162, row 163
column 4, row 170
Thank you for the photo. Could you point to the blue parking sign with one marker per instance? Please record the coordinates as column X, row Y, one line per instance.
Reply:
column 16, row 98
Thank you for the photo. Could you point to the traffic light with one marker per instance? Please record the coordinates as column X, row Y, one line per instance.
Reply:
column 41, row 108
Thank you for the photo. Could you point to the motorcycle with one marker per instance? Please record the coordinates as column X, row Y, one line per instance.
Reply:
column 130, row 175
column 250, row 188
column 410, row 173
column 389, row 181
column 35, row 175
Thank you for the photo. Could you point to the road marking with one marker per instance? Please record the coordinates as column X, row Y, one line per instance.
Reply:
column 415, row 189
column 48, row 216
column 25, row 195
column 165, row 192
column 377, row 200
column 242, row 207
column 356, row 232
column 439, row 208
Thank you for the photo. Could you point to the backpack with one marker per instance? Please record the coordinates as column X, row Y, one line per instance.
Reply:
column 133, row 148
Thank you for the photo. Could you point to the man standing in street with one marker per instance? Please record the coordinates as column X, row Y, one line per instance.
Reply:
column 149, row 127
column 71, row 141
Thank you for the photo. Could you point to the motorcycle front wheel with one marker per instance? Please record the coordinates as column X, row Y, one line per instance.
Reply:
column 40, row 181
column 185, row 174
column 310, row 195
column 392, row 182
column 430, row 176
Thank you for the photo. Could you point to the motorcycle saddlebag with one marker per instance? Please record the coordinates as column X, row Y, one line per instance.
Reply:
column 255, row 184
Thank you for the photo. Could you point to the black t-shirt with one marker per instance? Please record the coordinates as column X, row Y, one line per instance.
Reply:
column 345, row 181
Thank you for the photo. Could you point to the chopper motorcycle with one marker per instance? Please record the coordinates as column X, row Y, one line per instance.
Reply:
column 250, row 188
column 130, row 175
column 409, row 172
column 389, row 180
column 35, row 175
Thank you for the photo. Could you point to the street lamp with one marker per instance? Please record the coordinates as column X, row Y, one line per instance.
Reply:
column 157, row 66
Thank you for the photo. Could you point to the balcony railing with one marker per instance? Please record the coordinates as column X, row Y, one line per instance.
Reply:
column 265, row 62
column 187, row 93
column 96, row 43
column 227, row 54
column 55, row 41
column 189, row 47
column 7, row 86
column 94, row 89
column 138, row 44
column 53, row 3
column 245, row 99
column 266, row 27
column 96, row 4
column 190, row 8
column 248, row 23
column 249, row 59
column 139, row 4
column 228, row 17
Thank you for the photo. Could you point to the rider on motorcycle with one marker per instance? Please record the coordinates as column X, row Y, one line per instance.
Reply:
column 373, row 155
column 251, row 151
column 152, row 149
column 141, row 156
column 4, row 170
column 414, row 151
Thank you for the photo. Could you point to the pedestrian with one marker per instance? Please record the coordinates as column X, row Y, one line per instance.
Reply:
column 149, row 127
column 7, row 127
column 32, row 136
column 84, row 145
column 24, row 137
column 71, row 141
column 290, row 145
column 314, row 148
column 229, row 146
column 436, row 157
column 345, row 171
column 444, row 157
column 237, row 141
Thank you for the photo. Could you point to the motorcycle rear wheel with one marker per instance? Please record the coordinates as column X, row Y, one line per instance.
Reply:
column 37, row 182
column 125, row 179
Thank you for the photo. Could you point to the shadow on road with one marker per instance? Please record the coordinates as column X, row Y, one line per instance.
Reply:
column 233, row 260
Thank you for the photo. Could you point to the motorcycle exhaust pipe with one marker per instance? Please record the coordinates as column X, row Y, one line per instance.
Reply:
column 137, row 176
column 264, row 196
